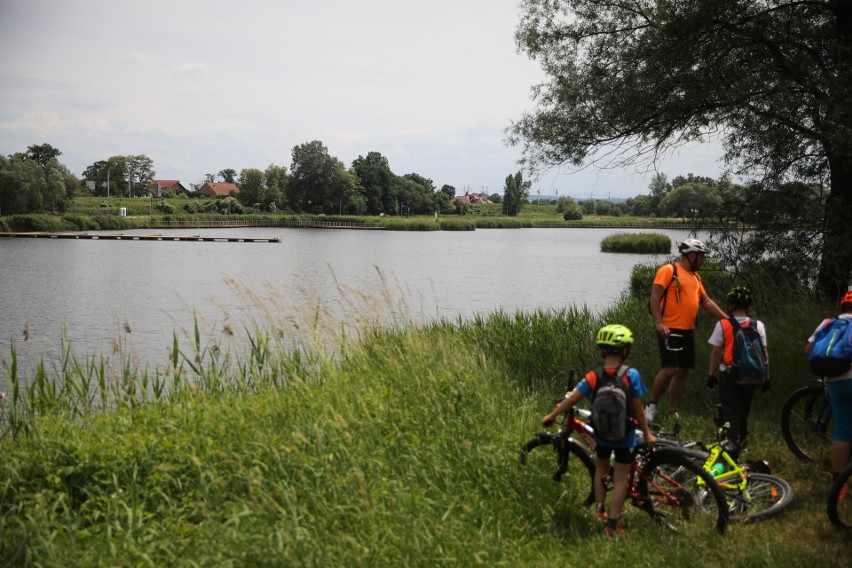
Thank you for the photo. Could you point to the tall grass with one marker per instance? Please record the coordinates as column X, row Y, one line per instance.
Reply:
column 646, row 243
column 370, row 443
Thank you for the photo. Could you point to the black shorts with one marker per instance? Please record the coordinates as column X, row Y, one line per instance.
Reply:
column 680, row 351
column 622, row 455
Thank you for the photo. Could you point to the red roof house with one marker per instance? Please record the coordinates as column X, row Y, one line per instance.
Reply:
column 158, row 185
column 218, row 189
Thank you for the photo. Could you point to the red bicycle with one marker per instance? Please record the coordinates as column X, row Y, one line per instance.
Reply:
column 665, row 482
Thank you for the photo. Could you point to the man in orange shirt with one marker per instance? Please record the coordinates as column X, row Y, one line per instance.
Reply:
column 676, row 295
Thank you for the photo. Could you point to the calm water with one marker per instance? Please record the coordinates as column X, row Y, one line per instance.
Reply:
column 98, row 290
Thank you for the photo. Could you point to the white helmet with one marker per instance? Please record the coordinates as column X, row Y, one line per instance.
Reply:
column 693, row 245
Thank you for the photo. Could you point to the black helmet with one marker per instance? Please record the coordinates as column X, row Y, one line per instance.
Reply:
column 740, row 297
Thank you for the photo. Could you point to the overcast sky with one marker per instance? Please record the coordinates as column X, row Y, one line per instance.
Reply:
column 203, row 85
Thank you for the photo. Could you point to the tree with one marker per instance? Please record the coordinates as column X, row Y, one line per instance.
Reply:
column 516, row 191
column 318, row 181
column 692, row 201
column 251, row 184
column 629, row 81
column 140, row 174
column 27, row 186
column 377, row 179
column 276, row 186
column 449, row 190
column 228, row 176
column 42, row 153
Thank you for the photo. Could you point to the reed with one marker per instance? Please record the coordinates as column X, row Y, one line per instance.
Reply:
column 637, row 243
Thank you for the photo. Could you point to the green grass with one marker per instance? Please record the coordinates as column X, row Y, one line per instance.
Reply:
column 646, row 243
column 371, row 443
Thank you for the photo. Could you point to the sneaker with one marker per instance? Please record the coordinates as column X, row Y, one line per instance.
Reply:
column 617, row 531
column 650, row 412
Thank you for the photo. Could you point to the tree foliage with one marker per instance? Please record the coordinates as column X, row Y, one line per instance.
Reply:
column 516, row 191
column 628, row 81
column 27, row 185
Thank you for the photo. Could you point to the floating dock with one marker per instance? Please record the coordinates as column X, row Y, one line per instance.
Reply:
column 133, row 237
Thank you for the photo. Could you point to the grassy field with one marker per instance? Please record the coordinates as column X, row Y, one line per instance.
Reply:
column 372, row 443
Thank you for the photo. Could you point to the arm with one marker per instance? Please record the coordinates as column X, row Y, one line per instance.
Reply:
column 715, row 356
column 639, row 413
column 657, row 297
column 562, row 407
column 713, row 308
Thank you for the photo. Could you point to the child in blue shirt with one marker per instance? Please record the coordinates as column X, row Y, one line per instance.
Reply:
column 614, row 342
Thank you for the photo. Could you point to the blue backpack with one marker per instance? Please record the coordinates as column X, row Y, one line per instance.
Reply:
column 750, row 364
column 831, row 355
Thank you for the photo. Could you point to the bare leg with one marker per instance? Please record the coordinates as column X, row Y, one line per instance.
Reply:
column 661, row 382
column 619, row 490
column 678, row 386
column 601, row 469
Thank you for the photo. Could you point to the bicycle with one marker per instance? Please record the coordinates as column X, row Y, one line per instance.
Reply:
column 839, row 505
column 692, row 500
column 806, row 422
column 752, row 492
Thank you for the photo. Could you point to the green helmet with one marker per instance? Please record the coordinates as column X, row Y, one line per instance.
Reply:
column 740, row 296
column 614, row 335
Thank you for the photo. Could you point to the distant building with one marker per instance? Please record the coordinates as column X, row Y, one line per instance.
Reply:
column 211, row 189
column 472, row 198
column 159, row 185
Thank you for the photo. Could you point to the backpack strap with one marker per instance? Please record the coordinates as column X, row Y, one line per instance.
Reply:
column 621, row 371
column 666, row 289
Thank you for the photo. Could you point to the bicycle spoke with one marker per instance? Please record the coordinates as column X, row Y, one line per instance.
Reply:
column 765, row 496
column 682, row 496
column 572, row 467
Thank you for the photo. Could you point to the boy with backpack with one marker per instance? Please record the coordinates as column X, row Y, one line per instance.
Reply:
column 739, row 353
column 616, row 392
column 830, row 355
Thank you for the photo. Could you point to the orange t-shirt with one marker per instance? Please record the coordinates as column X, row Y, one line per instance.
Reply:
column 682, row 298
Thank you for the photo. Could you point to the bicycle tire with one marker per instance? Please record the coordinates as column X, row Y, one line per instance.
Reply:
column 805, row 426
column 565, row 449
column 840, row 500
column 768, row 495
column 680, row 494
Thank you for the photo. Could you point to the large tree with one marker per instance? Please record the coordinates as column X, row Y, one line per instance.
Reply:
column 377, row 179
column 318, row 181
column 631, row 80
column 515, row 194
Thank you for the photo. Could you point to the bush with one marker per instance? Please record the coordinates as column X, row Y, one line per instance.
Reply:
column 573, row 214
column 640, row 243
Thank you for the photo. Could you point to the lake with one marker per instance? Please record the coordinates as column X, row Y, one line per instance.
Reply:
column 108, row 296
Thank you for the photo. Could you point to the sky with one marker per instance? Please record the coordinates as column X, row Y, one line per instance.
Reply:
column 200, row 86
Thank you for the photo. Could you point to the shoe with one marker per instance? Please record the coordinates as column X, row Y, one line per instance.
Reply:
column 650, row 413
column 601, row 514
column 617, row 531
column 674, row 418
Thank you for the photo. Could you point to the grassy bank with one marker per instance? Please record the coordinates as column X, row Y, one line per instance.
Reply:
column 389, row 445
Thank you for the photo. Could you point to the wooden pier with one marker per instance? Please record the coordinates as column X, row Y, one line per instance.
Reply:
column 132, row 237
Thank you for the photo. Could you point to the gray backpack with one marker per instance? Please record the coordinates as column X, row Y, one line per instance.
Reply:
column 610, row 410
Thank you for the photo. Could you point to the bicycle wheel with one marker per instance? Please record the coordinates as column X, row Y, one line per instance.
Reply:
column 767, row 496
column 840, row 500
column 680, row 494
column 806, row 423
column 573, row 463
